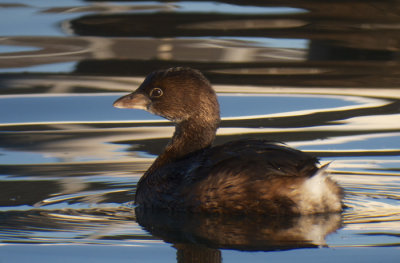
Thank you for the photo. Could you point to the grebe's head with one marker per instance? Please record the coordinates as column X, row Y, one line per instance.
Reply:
column 177, row 94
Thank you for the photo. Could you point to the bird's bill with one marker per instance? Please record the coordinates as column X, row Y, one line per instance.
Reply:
column 135, row 100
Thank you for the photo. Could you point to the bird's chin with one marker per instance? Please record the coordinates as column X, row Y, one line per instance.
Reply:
column 134, row 100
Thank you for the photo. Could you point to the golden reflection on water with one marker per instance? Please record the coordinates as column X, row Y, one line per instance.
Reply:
column 127, row 148
column 71, row 182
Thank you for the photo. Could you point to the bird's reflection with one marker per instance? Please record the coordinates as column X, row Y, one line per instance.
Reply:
column 198, row 238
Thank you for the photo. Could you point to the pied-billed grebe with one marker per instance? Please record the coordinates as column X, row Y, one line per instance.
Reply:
column 245, row 176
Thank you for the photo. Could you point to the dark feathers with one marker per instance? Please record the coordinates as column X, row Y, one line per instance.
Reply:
column 247, row 176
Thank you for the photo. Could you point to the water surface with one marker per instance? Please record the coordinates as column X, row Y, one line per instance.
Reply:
column 320, row 76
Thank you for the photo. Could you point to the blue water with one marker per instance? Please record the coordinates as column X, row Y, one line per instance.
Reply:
column 311, row 74
column 57, row 108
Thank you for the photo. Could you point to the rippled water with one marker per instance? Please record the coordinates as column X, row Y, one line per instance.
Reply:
column 321, row 76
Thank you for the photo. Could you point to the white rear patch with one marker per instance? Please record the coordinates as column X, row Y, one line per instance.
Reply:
column 315, row 186
column 317, row 195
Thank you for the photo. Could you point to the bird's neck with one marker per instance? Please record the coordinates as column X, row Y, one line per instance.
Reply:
column 190, row 136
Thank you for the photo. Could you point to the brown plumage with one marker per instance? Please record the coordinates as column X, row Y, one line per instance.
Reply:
column 246, row 176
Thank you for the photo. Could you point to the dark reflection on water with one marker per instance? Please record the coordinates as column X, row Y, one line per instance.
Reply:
column 320, row 75
column 240, row 232
column 216, row 231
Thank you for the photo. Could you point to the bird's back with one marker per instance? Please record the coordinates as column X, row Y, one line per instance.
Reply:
column 246, row 176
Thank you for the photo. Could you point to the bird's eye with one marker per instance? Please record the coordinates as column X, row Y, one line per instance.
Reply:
column 156, row 93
